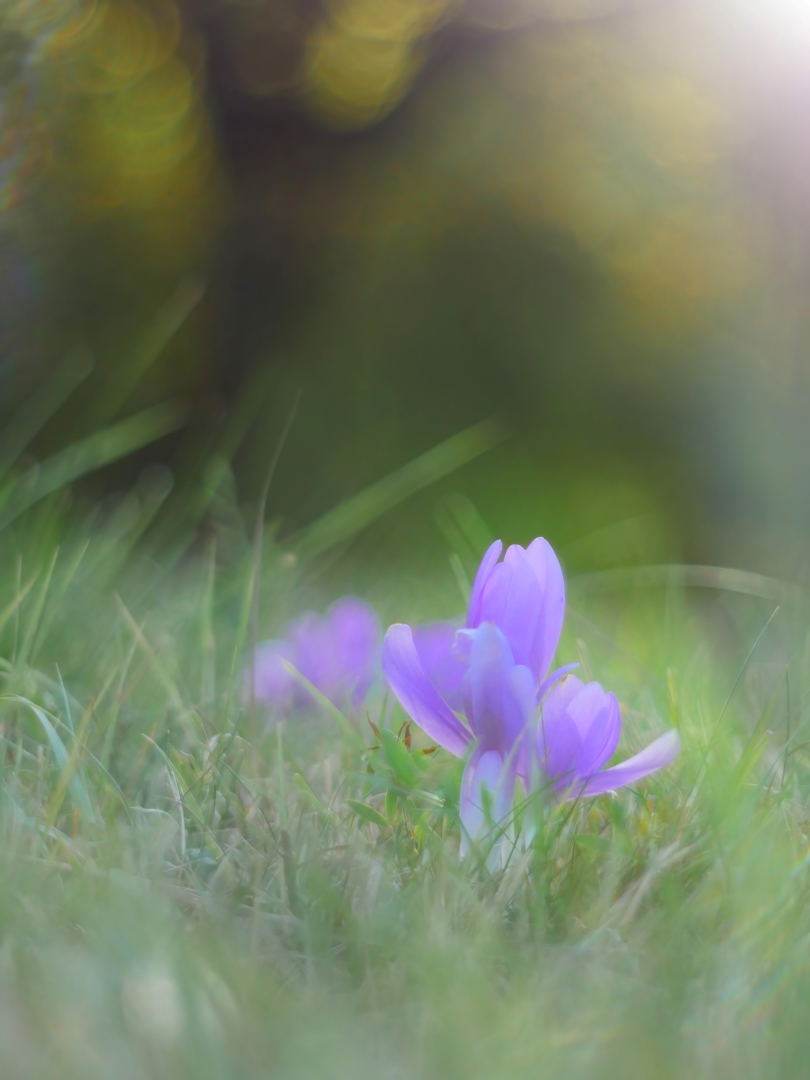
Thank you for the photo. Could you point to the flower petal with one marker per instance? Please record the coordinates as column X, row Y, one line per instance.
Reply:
column 522, row 613
column 491, row 556
column 525, row 596
column 434, row 645
column 417, row 695
column 313, row 652
column 514, row 554
column 561, row 695
column 501, row 693
column 656, row 756
column 558, row 738
column 598, row 719
column 272, row 683
column 488, row 771
column 540, row 555
column 356, row 641
column 494, row 595
column 554, row 678
column 521, row 711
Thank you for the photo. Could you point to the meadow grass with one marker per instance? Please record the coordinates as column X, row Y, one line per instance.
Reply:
column 189, row 891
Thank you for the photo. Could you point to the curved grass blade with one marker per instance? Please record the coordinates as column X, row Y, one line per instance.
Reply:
column 13, row 606
column 78, row 792
column 356, row 513
column 151, row 344
column 49, row 397
column 684, row 575
column 368, row 813
column 326, row 704
column 101, row 448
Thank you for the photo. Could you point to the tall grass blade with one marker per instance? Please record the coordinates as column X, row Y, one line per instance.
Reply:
column 358, row 512
column 191, row 506
column 208, row 638
column 34, row 624
column 683, row 575
column 151, row 344
column 49, row 397
column 258, row 543
column 97, row 450
column 70, row 771
column 78, row 792
column 350, row 734
column 163, row 676
column 57, row 595
column 13, row 606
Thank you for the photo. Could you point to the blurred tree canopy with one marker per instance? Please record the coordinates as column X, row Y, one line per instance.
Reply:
column 587, row 216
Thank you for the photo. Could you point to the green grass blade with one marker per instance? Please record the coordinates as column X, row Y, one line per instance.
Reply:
column 351, row 735
column 13, row 606
column 49, row 397
column 150, row 345
column 368, row 813
column 78, row 792
column 358, row 512
column 97, row 450
column 70, row 771
column 34, row 624
column 683, row 575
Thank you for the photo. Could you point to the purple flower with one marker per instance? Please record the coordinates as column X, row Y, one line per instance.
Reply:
column 524, row 596
column 493, row 672
column 434, row 643
column 498, row 700
column 578, row 732
column 338, row 653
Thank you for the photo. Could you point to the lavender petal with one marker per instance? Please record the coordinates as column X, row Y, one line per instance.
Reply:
column 656, row 756
column 501, row 692
column 494, row 595
column 598, row 720
column 491, row 556
column 558, row 739
column 272, row 683
column 554, row 678
column 540, row 555
column 356, row 643
column 484, row 770
column 434, row 645
column 417, row 695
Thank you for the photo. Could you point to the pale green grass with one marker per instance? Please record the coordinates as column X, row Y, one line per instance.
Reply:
column 185, row 892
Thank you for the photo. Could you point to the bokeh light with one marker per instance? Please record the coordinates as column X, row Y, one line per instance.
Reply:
column 361, row 60
column 597, row 186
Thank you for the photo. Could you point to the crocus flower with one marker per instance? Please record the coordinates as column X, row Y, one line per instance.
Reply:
column 519, row 722
column 498, row 700
column 577, row 734
column 524, row 596
column 338, row 653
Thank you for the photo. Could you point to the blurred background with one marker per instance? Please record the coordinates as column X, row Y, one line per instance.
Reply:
column 589, row 219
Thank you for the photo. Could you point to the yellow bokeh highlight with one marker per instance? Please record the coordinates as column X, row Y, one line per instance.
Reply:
column 630, row 158
column 352, row 81
column 122, row 132
column 580, row 134
column 388, row 20
column 361, row 61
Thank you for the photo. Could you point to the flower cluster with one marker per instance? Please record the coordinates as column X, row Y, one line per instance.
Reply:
column 483, row 692
column 338, row 653
column 550, row 731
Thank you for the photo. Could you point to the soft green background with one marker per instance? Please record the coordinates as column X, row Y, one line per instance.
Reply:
column 581, row 225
